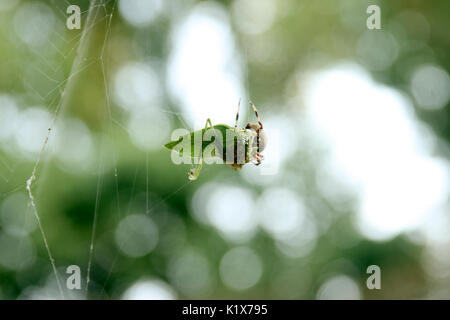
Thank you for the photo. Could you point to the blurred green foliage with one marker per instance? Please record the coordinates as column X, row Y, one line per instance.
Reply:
column 125, row 180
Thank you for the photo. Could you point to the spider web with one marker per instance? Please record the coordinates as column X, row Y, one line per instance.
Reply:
column 99, row 14
column 58, row 104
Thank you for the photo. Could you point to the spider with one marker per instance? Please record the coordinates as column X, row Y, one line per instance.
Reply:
column 241, row 145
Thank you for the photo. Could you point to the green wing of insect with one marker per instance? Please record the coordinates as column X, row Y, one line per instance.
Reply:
column 194, row 152
column 233, row 146
column 223, row 144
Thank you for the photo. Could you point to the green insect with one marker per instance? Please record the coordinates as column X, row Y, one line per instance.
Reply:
column 232, row 146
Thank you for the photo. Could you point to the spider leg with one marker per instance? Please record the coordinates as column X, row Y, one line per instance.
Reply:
column 257, row 159
column 237, row 114
column 256, row 113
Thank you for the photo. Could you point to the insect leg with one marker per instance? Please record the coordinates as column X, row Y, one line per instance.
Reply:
column 195, row 172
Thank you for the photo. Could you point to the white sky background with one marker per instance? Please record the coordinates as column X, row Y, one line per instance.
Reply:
column 204, row 72
column 379, row 148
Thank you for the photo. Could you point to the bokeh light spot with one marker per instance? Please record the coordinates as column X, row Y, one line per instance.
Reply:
column 240, row 268
column 136, row 86
column 339, row 287
column 149, row 129
column 149, row 290
column 136, row 235
column 16, row 253
column 16, row 215
column 281, row 212
column 430, row 86
column 254, row 16
column 34, row 22
column 140, row 13
column 190, row 272
column 230, row 209
column 203, row 73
